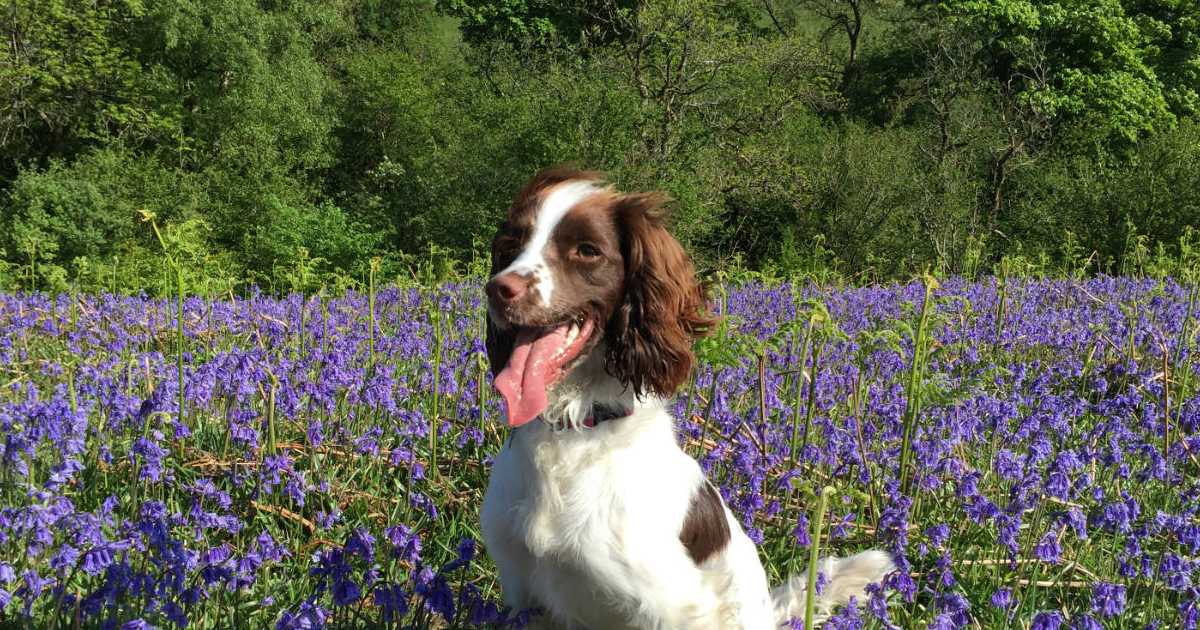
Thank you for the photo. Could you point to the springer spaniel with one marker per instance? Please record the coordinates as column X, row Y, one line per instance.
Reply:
column 594, row 513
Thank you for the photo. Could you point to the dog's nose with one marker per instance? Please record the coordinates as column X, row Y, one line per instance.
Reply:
column 507, row 288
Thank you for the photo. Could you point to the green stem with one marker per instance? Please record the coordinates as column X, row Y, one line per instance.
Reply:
column 913, row 400
column 437, row 391
column 812, row 396
column 371, row 312
column 800, row 390
column 179, row 340
column 712, row 395
column 814, row 554
column 1186, row 373
column 71, row 389
column 1000, row 304
column 272, row 441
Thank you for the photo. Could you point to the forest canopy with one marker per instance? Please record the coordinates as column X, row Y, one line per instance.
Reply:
column 282, row 143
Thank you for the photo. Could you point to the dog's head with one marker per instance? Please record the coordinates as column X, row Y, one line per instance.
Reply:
column 576, row 268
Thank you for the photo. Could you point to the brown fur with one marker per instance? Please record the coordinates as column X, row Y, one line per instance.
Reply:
column 665, row 308
column 641, row 289
column 506, row 244
column 705, row 530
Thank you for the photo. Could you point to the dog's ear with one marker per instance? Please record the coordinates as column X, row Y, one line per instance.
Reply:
column 664, row 309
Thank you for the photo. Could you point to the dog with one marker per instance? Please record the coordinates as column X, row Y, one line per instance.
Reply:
column 593, row 513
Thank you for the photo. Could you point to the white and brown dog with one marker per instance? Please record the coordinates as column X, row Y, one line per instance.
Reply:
column 594, row 514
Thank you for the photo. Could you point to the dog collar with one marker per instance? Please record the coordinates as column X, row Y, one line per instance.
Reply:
column 600, row 413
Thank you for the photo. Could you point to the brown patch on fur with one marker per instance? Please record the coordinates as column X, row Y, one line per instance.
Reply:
column 511, row 237
column 585, row 255
column 519, row 220
column 665, row 309
column 705, row 529
column 526, row 203
column 614, row 262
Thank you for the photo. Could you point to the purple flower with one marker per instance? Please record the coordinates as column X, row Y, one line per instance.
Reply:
column 1047, row 620
column 1189, row 610
column 361, row 543
column 1002, row 598
column 1049, row 403
column 1078, row 522
column 466, row 552
column 955, row 609
column 938, row 534
column 392, row 601
column 345, row 592
column 96, row 560
column 326, row 520
column 801, row 532
column 436, row 592
column 1048, row 549
column 878, row 607
column 944, row 621
column 847, row 618
column 1108, row 599
column 406, row 544
column 310, row 616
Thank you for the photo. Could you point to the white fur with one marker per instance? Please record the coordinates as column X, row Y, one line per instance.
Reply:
column 532, row 260
column 585, row 524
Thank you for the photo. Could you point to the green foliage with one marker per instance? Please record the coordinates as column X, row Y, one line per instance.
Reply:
column 1154, row 190
column 530, row 22
column 298, row 140
column 1113, row 71
column 69, row 79
column 85, row 213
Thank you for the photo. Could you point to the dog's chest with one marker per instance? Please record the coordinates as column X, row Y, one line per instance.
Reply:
column 584, row 531
column 572, row 518
column 573, row 507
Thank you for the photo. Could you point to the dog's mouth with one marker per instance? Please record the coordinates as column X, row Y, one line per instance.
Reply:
column 539, row 360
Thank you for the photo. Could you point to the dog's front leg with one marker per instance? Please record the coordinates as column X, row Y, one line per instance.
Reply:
column 673, row 593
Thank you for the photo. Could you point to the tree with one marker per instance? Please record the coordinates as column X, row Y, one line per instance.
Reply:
column 68, row 80
column 1171, row 46
column 1088, row 61
column 847, row 17
column 534, row 23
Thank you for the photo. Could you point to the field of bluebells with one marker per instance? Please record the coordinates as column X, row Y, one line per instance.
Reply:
column 1028, row 449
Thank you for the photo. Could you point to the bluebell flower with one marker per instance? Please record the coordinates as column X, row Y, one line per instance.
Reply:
column 1047, row 620
column 847, row 618
column 1189, row 610
column 345, row 592
column 361, row 543
column 309, row 616
column 436, row 592
column 938, row 534
column 392, row 601
column 406, row 543
column 1108, row 599
column 1048, row 549
column 878, row 607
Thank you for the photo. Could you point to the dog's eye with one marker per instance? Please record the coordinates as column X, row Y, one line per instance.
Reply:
column 587, row 250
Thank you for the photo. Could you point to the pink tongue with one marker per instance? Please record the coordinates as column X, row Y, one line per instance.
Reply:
column 531, row 367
